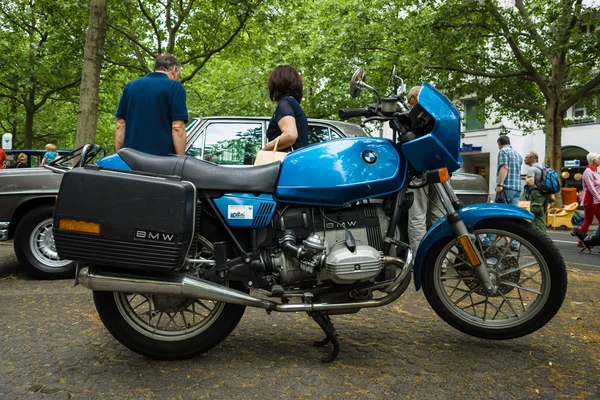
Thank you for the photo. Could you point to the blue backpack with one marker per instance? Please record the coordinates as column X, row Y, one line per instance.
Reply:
column 549, row 183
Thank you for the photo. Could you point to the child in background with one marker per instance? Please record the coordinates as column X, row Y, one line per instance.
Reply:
column 49, row 155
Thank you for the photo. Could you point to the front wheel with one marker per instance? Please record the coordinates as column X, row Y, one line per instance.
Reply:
column 528, row 269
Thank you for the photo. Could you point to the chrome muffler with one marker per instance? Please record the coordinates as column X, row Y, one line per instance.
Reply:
column 201, row 289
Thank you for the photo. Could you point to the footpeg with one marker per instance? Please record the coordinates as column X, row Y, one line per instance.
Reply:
column 277, row 291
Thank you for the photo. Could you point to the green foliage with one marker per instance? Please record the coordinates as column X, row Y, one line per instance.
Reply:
column 40, row 50
column 229, row 47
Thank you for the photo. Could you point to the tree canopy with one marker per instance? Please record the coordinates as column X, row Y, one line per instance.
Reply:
column 531, row 60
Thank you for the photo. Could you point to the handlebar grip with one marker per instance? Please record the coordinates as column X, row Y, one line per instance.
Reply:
column 347, row 113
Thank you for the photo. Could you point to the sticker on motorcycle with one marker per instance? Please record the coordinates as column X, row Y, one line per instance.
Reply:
column 239, row 212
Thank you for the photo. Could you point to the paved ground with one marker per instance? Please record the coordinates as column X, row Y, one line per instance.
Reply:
column 567, row 245
column 52, row 345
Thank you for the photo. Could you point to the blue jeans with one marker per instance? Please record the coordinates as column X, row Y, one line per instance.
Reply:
column 508, row 196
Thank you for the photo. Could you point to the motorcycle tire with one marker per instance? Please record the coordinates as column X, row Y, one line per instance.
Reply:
column 532, row 281
column 34, row 246
column 135, row 319
column 161, row 345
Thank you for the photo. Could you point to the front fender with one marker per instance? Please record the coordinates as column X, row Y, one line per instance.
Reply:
column 471, row 215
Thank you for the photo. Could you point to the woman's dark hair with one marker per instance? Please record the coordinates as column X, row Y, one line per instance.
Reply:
column 285, row 81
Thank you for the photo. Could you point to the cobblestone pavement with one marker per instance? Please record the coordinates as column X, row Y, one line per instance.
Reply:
column 53, row 345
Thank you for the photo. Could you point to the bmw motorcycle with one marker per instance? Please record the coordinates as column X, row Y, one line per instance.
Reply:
column 175, row 248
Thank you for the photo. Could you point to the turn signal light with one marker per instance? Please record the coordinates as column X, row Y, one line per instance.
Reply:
column 469, row 250
column 438, row 175
column 79, row 226
column 444, row 175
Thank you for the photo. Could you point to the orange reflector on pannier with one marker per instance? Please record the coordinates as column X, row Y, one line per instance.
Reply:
column 469, row 250
column 78, row 226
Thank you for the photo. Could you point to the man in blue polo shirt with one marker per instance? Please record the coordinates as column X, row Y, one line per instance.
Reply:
column 152, row 111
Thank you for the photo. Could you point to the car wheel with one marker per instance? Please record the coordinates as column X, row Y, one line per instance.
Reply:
column 35, row 249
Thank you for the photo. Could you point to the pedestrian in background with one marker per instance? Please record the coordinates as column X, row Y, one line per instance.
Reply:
column 152, row 111
column 591, row 197
column 539, row 201
column 21, row 161
column 50, row 154
column 508, row 176
column 508, row 181
column 427, row 206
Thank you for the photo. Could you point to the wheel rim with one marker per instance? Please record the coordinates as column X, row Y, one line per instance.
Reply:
column 522, row 275
column 169, row 318
column 41, row 243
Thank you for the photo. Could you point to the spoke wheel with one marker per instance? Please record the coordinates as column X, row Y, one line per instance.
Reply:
column 168, row 327
column 530, row 281
column 167, row 318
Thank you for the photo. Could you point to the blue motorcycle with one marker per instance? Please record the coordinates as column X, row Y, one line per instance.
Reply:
column 176, row 248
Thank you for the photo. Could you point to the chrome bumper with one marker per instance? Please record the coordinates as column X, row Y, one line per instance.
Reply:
column 4, row 231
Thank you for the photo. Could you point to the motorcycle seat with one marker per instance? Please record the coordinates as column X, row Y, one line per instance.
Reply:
column 206, row 175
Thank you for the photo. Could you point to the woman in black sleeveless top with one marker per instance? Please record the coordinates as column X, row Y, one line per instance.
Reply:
column 289, row 122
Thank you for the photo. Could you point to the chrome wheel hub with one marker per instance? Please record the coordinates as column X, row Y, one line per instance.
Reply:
column 43, row 248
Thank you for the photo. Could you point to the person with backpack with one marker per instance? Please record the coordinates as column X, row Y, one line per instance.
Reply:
column 591, row 198
column 539, row 198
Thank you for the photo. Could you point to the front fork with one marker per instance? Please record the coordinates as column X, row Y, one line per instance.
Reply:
column 451, row 203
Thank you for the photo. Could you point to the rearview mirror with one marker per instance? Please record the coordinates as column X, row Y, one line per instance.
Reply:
column 357, row 83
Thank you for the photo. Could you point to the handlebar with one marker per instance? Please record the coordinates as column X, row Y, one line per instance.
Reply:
column 347, row 113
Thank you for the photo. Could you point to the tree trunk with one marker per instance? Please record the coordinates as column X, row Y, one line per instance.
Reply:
column 93, row 54
column 28, row 134
column 14, row 108
column 553, row 129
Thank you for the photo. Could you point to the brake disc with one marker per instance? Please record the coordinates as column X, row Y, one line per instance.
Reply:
column 496, row 266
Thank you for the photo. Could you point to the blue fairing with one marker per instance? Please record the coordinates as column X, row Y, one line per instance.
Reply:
column 113, row 162
column 471, row 215
column 440, row 147
column 341, row 171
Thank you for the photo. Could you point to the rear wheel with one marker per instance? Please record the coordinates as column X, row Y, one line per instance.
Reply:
column 35, row 249
column 531, row 281
column 168, row 327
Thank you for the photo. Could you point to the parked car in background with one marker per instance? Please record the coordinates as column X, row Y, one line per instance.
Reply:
column 470, row 188
column 236, row 140
column 27, row 196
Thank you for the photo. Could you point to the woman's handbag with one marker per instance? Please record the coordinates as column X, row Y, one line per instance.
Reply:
column 266, row 156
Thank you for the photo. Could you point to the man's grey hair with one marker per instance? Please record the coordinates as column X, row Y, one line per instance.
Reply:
column 534, row 155
column 414, row 91
column 165, row 62
column 591, row 157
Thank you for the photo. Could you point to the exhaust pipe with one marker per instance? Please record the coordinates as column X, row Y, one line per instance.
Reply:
column 201, row 289
column 176, row 286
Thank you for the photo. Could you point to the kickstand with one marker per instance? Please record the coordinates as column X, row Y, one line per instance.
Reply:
column 326, row 325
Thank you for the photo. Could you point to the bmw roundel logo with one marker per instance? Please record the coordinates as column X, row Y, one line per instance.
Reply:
column 369, row 156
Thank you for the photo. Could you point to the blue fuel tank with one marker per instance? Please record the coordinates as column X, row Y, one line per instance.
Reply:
column 341, row 171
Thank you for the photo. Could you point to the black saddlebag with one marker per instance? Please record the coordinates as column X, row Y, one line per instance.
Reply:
column 124, row 219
